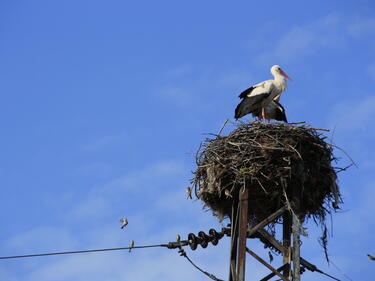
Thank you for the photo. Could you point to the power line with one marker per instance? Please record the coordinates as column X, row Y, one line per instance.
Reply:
column 183, row 254
column 192, row 242
column 343, row 273
column 170, row 245
column 202, row 239
column 82, row 251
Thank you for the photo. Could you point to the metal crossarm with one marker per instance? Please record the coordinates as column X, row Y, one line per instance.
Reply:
column 270, row 267
column 269, row 276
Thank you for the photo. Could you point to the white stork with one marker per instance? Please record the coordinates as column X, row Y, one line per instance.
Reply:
column 273, row 110
column 257, row 97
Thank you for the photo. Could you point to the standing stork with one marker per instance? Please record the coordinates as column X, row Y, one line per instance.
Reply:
column 273, row 110
column 257, row 97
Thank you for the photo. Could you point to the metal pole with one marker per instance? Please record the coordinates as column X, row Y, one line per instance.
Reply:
column 286, row 243
column 296, row 250
column 243, row 224
column 233, row 247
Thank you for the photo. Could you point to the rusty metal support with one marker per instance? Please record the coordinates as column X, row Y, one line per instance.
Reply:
column 281, row 248
column 266, row 221
column 242, row 234
column 269, row 276
column 234, row 240
column 287, row 223
column 262, row 261
column 271, row 240
column 240, row 231
column 296, row 249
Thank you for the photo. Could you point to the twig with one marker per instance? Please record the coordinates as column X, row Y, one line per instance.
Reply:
column 342, row 150
column 222, row 126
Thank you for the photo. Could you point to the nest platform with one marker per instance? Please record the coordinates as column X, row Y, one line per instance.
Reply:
column 278, row 163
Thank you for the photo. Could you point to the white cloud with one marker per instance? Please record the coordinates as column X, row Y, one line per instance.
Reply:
column 104, row 142
column 180, row 70
column 79, row 267
column 332, row 31
column 362, row 198
column 172, row 201
column 146, row 177
column 99, row 169
column 92, row 207
column 302, row 41
column 235, row 77
column 371, row 70
column 362, row 27
column 149, row 226
column 357, row 218
column 42, row 237
column 206, row 89
column 354, row 115
column 180, row 96
column 6, row 274
column 102, row 200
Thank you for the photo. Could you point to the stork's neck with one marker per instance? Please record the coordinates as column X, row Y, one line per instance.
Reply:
column 280, row 81
column 278, row 77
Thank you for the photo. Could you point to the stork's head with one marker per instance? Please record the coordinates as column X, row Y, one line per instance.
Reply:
column 276, row 71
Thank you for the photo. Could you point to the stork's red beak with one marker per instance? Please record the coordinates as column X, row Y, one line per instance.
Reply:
column 284, row 74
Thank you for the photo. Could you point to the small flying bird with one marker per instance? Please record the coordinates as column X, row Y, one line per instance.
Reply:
column 257, row 97
column 371, row 257
column 189, row 193
column 124, row 222
column 131, row 246
column 227, row 193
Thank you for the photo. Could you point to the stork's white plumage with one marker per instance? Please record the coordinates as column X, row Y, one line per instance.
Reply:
column 260, row 95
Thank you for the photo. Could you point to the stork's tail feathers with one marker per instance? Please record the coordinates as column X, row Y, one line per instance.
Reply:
column 238, row 112
column 280, row 112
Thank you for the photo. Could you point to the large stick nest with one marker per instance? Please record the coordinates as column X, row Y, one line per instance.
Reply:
column 280, row 164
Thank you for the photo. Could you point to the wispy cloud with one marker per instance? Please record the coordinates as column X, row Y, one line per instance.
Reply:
column 362, row 198
column 7, row 275
column 362, row 27
column 95, row 209
column 136, row 184
column 180, row 96
column 205, row 89
column 371, row 70
column 304, row 40
column 148, row 177
column 91, row 208
column 354, row 115
column 33, row 240
column 180, row 70
column 104, row 142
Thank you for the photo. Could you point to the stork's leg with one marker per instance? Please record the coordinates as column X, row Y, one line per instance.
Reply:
column 263, row 115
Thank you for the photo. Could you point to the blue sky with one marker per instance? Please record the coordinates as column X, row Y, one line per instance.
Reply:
column 104, row 102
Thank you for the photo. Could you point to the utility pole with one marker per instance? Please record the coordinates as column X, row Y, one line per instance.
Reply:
column 241, row 230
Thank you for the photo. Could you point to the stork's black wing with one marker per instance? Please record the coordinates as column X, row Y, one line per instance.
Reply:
column 246, row 92
column 280, row 112
column 274, row 110
column 249, row 104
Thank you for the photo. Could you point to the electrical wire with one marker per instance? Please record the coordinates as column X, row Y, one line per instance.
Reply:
column 183, row 254
column 342, row 272
column 170, row 245
column 82, row 251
